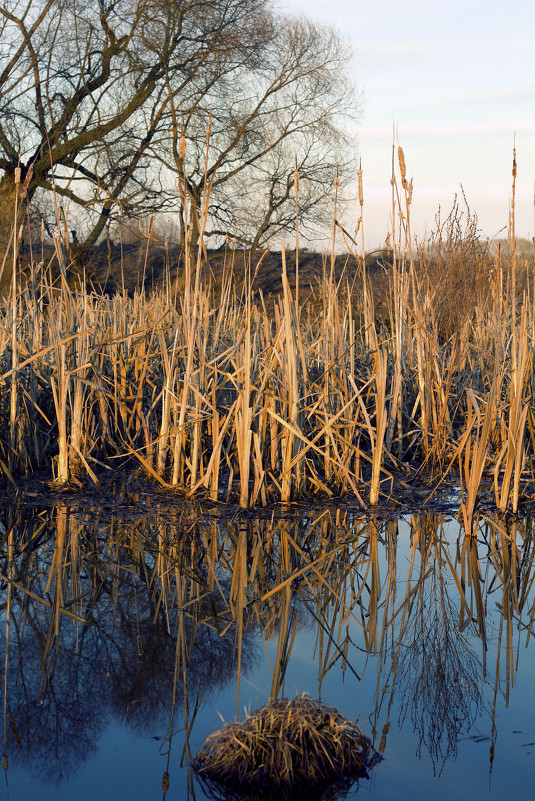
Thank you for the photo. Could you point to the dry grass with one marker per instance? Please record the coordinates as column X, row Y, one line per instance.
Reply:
column 408, row 370
column 283, row 750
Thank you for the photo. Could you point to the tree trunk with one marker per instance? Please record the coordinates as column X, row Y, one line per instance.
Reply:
column 7, row 222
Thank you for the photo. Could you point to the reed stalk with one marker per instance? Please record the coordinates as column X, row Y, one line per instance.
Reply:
column 261, row 401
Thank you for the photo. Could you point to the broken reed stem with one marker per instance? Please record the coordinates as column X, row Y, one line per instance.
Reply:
column 296, row 190
column 512, row 240
column 14, row 343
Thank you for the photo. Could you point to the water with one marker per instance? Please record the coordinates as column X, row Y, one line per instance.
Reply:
column 115, row 624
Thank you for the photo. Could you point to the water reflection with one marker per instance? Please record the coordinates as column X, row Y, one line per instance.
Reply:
column 90, row 632
column 144, row 620
column 430, row 665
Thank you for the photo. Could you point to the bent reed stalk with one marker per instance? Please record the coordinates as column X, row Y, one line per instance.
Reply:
column 217, row 392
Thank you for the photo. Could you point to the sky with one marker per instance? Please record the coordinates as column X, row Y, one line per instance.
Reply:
column 457, row 80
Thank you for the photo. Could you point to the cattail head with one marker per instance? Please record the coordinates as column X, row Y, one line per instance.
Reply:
column 296, row 181
column 401, row 160
column 24, row 188
column 402, row 167
column 361, row 193
column 182, row 147
column 17, row 175
column 514, row 163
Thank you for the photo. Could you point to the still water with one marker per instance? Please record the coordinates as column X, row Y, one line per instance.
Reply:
column 126, row 639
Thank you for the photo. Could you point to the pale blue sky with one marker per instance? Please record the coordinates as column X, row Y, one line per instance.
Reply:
column 458, row 79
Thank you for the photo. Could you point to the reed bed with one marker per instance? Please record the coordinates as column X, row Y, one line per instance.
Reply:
column 334, row 392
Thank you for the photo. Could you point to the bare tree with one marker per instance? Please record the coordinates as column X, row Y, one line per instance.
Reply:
column 95, row 97
column 245, row 137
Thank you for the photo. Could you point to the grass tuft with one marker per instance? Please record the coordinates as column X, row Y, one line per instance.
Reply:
column 284, row 749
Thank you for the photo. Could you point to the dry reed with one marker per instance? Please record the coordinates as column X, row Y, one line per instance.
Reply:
column 314, row 396
column 286, row 748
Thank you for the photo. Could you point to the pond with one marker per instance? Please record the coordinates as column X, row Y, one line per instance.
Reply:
column 127, row 637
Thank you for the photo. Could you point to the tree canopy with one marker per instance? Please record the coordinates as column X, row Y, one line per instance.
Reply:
column 113, row 105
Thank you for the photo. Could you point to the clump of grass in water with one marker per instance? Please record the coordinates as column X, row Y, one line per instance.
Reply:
column 285, row 748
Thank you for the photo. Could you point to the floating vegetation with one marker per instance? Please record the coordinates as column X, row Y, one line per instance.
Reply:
column 286, row 747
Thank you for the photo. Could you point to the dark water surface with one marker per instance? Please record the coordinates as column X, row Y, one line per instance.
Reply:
column 121, row 633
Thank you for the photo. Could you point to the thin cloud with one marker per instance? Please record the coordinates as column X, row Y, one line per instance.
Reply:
column 491, row 191
column 394, row 49
column 482, row 98
column 385, row 131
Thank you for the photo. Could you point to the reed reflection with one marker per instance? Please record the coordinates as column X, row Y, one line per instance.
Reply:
column 143, row 620
column 95, row 630
column 434, row 671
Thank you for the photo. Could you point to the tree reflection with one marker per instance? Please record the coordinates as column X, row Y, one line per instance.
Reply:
column 437, row 674
column 69, row 673
column 55, row 705
column 138, row 620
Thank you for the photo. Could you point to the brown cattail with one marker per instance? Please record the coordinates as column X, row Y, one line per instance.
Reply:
column 402, row 167
column 165, row 782
column 24, row 188
column 382, row 744
column 17, row 175
column 182, row 147
column 514, row 162
column 296, row 181
column 361, row 193
column 409, row 193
